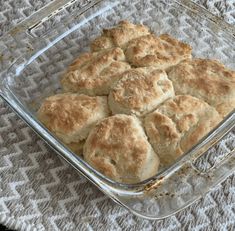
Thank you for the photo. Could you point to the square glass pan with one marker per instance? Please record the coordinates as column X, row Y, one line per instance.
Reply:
column 35, row 53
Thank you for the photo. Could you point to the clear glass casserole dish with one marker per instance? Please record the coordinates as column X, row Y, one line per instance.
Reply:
column 35, row 53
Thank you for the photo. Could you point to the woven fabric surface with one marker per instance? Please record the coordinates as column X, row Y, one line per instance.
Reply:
column 39, row 191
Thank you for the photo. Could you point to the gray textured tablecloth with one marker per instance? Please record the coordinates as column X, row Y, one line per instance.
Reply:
column 39, row 191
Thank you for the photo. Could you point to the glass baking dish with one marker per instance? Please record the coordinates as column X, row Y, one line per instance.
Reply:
column 34, row 54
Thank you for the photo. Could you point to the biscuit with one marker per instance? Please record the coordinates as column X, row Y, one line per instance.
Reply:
column 160, row 52
column 76, row 147
column 94, row 73
column 140, row 91
column 208, row 80
column 71, row 116
column 118, row 147
column 178, row 124
column 119, row 36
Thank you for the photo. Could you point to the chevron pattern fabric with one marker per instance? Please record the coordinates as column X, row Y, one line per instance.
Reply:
column 40, row 191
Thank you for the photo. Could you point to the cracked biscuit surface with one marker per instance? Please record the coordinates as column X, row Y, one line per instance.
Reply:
column 118, row 147
column 161, row 52
column 95, row 73
column 178, row 124
column 140, row 91
column 208, row 80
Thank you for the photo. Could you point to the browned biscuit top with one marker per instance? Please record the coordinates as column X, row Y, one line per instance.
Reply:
column 119, row 36
column 206, row 79
column 178, row 124
column 94, row 73
column 70, row 116
column 118, row 147
column 160, row 52
column 139, row 91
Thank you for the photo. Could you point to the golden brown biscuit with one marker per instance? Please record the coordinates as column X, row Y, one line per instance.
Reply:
column 160, row 52
column 139, row 91
column 119, row 36
column 208, row 80
column 76, row 147
column 118, row 147
column 178, row 124
column 94, row 73
column 71, row 116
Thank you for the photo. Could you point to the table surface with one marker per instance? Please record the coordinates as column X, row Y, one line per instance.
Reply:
column 39, row 191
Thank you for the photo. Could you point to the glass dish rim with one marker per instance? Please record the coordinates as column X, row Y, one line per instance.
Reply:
column 33, row 122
